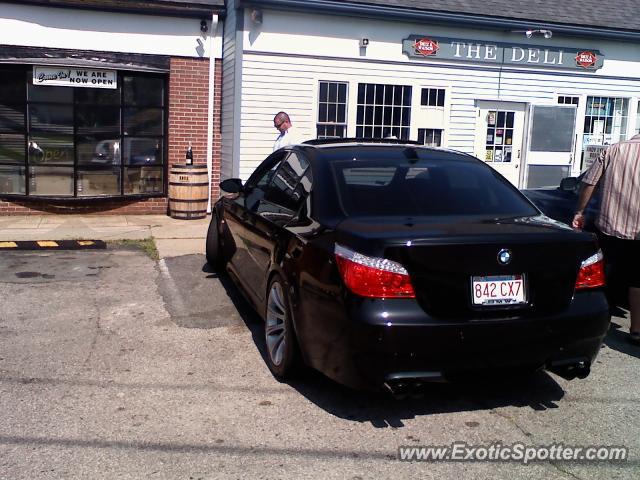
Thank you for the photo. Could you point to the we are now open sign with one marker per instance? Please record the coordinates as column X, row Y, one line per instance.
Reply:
column 75, row 77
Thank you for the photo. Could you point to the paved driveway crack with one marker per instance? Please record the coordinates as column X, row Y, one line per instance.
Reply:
column 562, row 470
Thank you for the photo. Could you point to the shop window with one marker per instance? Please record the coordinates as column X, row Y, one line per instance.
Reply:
column 605, row 121
column 431, row 137
column 51, row 180
column 332, row 110
column 81, row 142
column 383, row 111
column 12, row 150
column 568, row 100
column 432, row 97
column 12, row 179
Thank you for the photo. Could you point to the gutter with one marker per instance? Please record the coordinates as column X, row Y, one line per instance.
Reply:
column 172, row 9
column 210, row 110
column 416, row 15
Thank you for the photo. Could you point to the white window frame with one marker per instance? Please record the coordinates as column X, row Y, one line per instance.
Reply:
column 346, row 103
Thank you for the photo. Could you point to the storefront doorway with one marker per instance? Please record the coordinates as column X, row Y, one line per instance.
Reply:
column 499, row 133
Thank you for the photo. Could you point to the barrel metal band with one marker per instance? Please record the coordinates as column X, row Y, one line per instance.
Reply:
column 181, row 200
column 176, row 184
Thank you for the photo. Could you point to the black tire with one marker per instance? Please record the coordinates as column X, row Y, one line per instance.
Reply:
column 283, row 357
column 214, row 250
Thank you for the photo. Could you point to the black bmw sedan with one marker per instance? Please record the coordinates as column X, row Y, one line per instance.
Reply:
column 387, row 265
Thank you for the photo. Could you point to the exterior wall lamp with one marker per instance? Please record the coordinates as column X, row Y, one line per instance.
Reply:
column 539, row 31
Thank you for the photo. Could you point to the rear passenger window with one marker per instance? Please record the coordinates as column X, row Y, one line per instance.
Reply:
column 369, row 176
column 287, row 192
column 395, row 187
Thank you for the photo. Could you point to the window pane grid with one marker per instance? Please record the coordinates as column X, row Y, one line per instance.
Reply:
column 605, row 121
column 332, row 110
column 431, row 137
column 68, row 142
column 568, row 100
column 499, row 139
column 432, row 97
column 383, row 111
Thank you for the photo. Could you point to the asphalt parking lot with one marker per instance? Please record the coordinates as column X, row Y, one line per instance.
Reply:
column 113, row 365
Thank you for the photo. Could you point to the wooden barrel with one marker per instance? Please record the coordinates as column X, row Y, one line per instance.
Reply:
column 188, row 191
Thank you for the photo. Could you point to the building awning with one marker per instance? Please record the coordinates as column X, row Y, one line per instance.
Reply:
column 88, row 59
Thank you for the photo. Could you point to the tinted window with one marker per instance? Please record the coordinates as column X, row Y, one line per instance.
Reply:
column 143, row 91
column 285, row 189
column 257, row 184
column 425, row 187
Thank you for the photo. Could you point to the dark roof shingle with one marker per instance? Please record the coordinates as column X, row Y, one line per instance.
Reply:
column 617, row 14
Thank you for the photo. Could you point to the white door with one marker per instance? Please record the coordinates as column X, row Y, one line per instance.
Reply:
column 499, row 134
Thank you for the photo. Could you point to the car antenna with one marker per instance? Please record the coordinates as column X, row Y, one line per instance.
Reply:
column 412, row 154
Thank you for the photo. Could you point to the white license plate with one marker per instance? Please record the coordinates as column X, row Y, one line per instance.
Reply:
column 498, row 290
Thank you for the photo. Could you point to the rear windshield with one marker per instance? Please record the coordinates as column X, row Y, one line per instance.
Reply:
column 425, row 187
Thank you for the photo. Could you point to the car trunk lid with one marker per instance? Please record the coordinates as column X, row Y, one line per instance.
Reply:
column 443, row 256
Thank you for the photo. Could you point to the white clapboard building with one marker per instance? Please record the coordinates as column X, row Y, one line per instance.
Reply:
column 535, row 89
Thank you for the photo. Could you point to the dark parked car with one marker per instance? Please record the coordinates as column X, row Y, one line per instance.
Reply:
column 393, row 264
column 560, row 202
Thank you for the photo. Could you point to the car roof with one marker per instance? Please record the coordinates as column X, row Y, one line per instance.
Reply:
column 331, row 148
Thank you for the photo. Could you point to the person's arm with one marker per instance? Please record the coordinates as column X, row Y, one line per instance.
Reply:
column 586, row 192
column 589, row 182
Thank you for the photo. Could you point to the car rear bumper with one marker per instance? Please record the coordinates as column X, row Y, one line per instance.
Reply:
column 390, row 339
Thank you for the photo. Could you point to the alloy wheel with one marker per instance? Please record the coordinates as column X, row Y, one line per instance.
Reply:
column 276, row 325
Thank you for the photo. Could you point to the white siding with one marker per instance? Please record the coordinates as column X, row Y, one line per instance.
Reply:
column 231, row 92
column 286, row 56
column 271, row 83
column 35, row 26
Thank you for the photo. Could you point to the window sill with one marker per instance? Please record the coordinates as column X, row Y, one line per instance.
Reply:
column 72, row 200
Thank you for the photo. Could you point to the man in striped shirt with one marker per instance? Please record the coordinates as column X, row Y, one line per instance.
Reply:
column 617, row 173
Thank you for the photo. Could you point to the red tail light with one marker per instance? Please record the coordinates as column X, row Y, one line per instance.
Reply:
column 373, row 277
column 591, row 273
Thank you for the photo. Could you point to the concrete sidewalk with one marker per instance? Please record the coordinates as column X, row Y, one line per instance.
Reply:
column 172, row 237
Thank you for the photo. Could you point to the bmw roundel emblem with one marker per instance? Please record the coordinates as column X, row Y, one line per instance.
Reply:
column 504, row 256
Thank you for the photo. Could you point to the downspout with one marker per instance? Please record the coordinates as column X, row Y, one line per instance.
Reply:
column 212, row 91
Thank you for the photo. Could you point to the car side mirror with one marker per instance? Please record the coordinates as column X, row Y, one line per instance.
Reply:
column 231, row 185
column 569, row 184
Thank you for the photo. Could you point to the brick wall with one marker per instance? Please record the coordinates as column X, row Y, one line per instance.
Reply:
column 188, row 113
column 147, row 206
column 188, row 116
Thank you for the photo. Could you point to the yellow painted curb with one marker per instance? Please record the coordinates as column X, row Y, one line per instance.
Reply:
column 48, row 244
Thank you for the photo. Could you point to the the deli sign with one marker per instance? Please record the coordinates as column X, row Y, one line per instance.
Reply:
column 442, row 48
column 74, row 77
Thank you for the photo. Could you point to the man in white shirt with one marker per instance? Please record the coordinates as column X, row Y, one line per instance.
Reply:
column 288, row 135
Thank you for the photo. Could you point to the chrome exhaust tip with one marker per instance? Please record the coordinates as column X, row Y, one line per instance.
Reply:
column 571, row 368
column 413, row 384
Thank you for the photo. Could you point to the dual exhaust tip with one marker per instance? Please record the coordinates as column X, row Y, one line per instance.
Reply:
column 571, row 368
column 414, row 384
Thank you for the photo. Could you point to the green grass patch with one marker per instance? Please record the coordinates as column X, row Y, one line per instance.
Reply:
column 147, row 245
